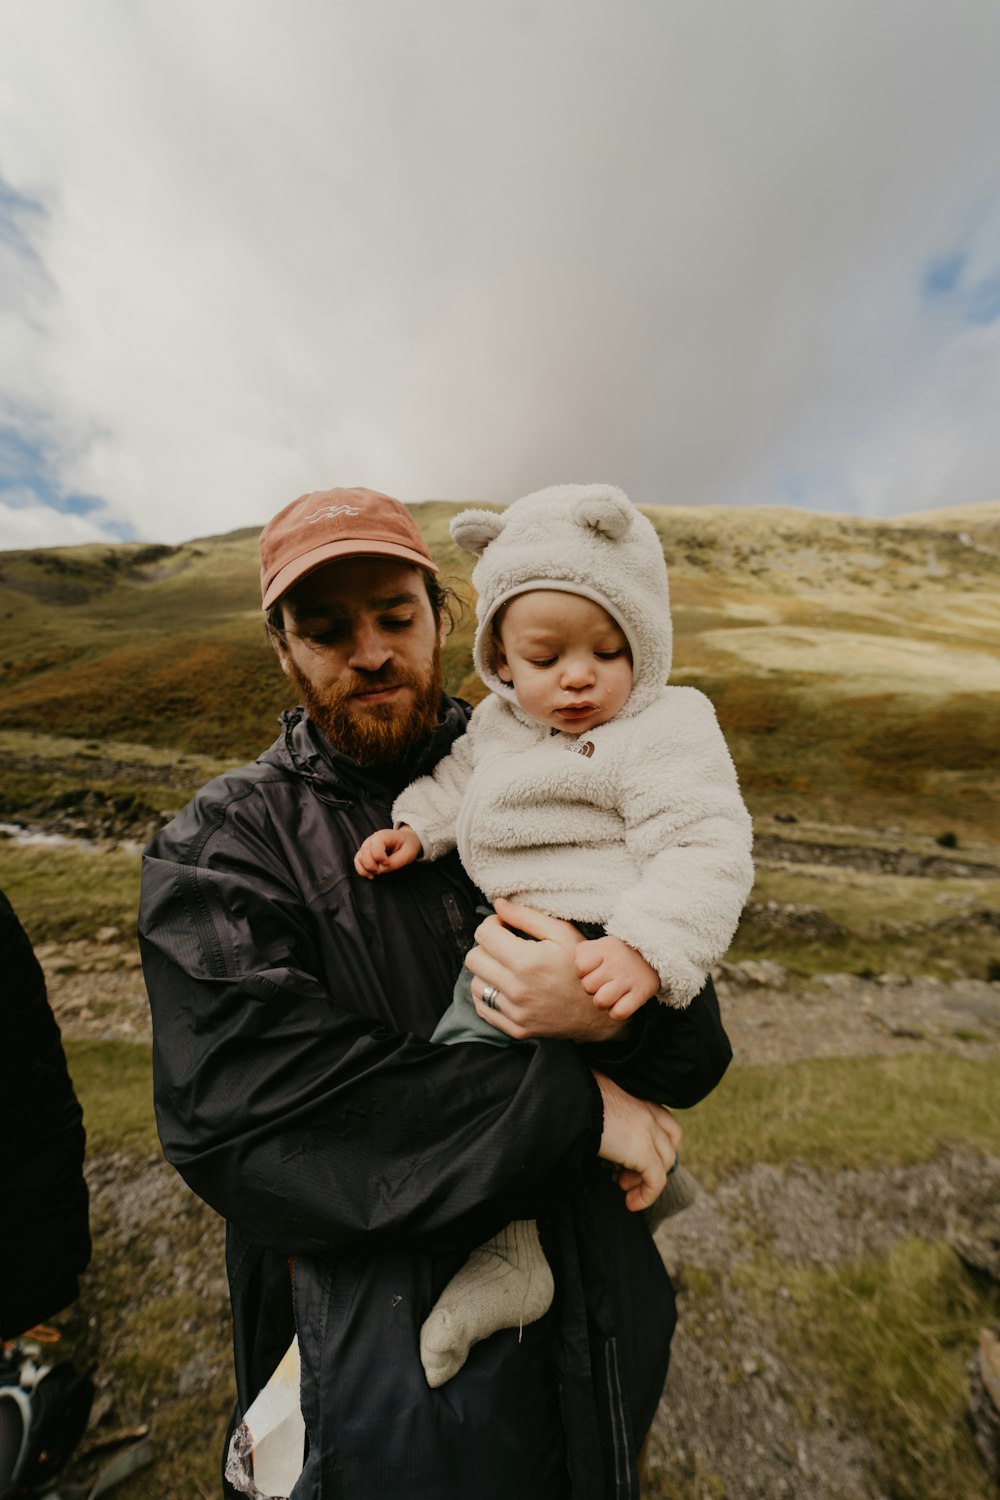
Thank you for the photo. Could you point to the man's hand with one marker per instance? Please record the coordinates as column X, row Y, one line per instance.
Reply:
column 538, row 992
column 619, row 979
column 389, row 849
column 639, row 1137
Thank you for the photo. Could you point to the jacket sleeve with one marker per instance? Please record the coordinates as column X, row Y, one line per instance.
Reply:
column 308, row 1125
column 672, row 1056
column 430, row 805
column 688, row 829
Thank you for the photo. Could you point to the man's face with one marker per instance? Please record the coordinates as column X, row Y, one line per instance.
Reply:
column 363, row 646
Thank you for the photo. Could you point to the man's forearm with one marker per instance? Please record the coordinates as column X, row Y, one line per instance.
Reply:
column 311, row 1128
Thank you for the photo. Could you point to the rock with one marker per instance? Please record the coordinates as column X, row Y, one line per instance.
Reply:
column 989, row 1365
column 107, row 935
column 840, row 984
column 976, row 1241
column 102, row 1409
column 761, row 972
column 984, row 1400
column 791, row 917
column 196, row 1375
column 895, row 1027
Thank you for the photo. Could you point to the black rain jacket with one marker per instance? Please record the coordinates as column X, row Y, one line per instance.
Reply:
column 296, row 1093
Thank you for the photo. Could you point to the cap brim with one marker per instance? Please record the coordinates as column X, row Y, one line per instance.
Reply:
column 290, row 574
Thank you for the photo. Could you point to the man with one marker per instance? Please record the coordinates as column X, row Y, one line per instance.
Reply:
column 295, row 1092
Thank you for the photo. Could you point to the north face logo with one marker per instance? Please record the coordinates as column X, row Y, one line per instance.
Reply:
column 330, row 513
column 584, row 747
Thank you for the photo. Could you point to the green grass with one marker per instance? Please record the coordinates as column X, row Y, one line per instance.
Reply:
column 860, row 899
column 213, row 696
column 929, row 925
column 29, row 794
column 149, row 1328
column 965, row 951
column 114, row 1084
column 60, row 893
column 890, row 1339
column 844, row 1112
column 45, row 774
column 884, row 1340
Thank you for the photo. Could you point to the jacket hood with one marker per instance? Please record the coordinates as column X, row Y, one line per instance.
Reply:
column 336, row 778
column 585, row 539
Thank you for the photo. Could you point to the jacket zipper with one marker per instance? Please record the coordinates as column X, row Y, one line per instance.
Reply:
column 624, row 1468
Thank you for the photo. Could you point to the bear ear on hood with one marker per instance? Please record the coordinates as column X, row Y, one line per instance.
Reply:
column 610, row 514
column 475, row 529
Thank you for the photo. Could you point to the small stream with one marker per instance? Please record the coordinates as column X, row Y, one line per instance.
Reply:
column 22, row 836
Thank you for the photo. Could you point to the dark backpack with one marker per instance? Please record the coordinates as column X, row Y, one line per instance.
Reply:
column 43, row 1414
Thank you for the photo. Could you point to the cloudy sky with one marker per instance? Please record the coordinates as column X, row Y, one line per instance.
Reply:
column 716, row 252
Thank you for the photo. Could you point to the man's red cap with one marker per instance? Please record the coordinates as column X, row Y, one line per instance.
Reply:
column 327, row 524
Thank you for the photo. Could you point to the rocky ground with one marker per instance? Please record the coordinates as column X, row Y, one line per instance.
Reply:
column 96, row 990
column 731, row 1419
column 733, row 1408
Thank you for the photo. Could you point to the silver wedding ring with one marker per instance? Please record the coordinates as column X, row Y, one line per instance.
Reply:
column 490, row 993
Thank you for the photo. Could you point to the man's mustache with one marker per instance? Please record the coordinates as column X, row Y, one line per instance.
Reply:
column 370, row 682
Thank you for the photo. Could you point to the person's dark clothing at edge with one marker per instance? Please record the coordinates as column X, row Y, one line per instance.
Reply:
column 45, row 1244
column 296, row 1095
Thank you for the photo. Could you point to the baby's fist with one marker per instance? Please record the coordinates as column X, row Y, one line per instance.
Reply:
column 388, row 849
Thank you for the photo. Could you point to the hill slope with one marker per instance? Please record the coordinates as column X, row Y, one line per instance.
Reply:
column 854, row 663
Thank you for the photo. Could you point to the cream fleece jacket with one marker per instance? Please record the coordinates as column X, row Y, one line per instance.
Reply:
column 638, row 824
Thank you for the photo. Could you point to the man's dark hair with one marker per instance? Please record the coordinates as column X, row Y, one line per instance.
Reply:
column 445, row 604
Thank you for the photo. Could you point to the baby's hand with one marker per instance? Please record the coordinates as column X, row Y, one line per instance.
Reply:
column 619, row 979
column 389, row 849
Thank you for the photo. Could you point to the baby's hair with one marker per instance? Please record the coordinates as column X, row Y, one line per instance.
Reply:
column 496, row 639
column 495, row 623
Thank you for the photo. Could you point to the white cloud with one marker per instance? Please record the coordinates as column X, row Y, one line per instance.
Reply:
column 34, row 525
column 462, row 251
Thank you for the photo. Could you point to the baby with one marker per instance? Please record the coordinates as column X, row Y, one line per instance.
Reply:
column 584, row 787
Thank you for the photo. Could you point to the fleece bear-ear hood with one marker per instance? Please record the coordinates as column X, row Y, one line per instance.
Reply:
column 584, row 539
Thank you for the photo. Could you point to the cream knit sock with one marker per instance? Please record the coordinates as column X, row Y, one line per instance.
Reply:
column 680, row 1192
column 504, row 1284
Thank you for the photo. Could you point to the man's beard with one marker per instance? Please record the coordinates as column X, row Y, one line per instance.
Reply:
column 384, row 732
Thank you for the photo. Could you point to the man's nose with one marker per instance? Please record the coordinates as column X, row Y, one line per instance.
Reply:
column 370, row 649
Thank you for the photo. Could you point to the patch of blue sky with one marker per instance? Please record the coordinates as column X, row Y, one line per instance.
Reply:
column 813, row 489
column 27, row 478
column 19, row 215
column 120, row 531
column 963, row 283
column 943, row 275
column 983, row 301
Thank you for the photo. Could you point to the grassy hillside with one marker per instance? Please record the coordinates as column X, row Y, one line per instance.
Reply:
column 854, row 664
column 855, row 668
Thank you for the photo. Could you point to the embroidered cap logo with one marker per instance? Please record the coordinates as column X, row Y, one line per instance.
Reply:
column 331, row 512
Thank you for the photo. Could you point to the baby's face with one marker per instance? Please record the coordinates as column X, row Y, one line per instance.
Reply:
column 566, row 659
